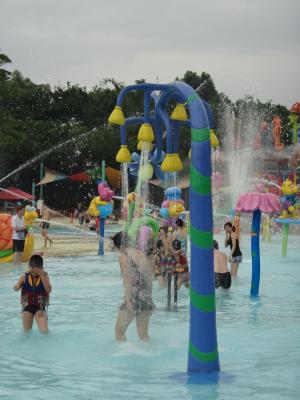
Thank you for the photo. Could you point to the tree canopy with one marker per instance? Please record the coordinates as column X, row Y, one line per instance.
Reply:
column 34, row 118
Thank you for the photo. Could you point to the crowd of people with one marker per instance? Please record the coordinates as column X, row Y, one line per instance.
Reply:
column 142, row 260
column 140, row 263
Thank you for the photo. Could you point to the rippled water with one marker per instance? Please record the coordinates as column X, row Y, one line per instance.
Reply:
column 79, row 359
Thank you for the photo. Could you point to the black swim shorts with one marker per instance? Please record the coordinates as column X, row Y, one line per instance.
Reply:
column 33, row 309
column 18, row 245
column 222, row 280
column 45, row 225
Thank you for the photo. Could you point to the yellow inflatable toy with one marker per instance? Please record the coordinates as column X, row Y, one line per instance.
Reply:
column 30, row 216
column 288, row 200
column 93, row 209
column 289, row 188
column 175, row 208
column 102, row 205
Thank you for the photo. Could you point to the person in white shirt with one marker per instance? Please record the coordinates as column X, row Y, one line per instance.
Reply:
column 18, row 236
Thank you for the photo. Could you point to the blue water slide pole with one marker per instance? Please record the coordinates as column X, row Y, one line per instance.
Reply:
column 101, row 238
column 203, row 348
column 160, row 106
column 159, row 141
column 165, row 119
column 255, row 252
column 176, row 133
column 147, row 97
column 144, row 86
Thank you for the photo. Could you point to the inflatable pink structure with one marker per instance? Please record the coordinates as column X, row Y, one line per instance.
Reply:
column 105, row 192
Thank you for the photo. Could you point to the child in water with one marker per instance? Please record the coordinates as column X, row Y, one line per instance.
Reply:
column 232, row 240
column 136, row 266
column 160, row 263
column 222, row 275
column 180, row 264
column 35, row 289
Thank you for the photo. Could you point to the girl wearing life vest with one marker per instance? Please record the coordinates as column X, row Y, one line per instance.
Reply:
column 35, row 288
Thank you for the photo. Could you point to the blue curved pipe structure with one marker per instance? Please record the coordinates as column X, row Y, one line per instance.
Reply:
column 203, row 349
column 255, row 251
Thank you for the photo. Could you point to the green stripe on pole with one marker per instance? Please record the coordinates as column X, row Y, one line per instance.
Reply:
column 203, row 302
column 202, row 239
column 285, row 238
column 191, row 98
column 200, row 184
column 200, row 135
column 204, row 357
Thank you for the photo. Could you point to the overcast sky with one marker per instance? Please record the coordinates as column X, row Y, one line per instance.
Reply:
column 248, row 46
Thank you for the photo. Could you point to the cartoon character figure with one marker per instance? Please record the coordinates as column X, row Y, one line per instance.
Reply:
column 105, row 191
column 288, row 200
column 30, row 215
column 173, row 205
column 102, row 205
column 277, row 133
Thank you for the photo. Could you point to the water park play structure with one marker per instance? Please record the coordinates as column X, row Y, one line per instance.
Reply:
column 173, row 206
column 256, row 203
column 290, row 214
column 203, row 351
column 101, row 207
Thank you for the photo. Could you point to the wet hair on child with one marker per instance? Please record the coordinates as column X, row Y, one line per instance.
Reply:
column 176, row 244
column 163, row 228
column 120, row 239
column 36, row 261
column 216, row 245
column 159, row 244
column 179, row 223
column 149, row 248
column 230, row 226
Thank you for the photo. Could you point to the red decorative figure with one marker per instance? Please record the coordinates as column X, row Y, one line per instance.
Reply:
column 277, row 133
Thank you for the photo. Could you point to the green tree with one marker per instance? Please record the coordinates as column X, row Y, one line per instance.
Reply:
column 4, row 74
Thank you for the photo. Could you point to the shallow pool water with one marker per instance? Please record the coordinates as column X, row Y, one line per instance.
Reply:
column 79, row 359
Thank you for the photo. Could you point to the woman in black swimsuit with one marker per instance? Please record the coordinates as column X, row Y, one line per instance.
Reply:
column 232, row 241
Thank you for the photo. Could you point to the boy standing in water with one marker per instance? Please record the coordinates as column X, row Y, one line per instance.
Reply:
column 222, row 275
column 19, row 233
column 136, row 269
column 35, row 289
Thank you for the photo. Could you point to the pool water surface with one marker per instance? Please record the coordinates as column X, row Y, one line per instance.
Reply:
column 258, row 338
